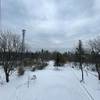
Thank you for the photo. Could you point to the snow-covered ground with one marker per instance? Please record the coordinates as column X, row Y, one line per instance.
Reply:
column 51, row 84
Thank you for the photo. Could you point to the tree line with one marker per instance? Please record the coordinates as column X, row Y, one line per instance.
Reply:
column 11, row 54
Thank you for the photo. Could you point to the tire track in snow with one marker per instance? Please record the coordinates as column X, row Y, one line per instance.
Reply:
column 88, row 93
column 93, row 74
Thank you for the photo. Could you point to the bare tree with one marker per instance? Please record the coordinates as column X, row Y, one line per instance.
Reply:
column 95, row 45
column 95, row 48
column 8, row 43
column 80, row 53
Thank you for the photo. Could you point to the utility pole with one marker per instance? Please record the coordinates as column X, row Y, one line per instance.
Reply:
column 0, row 14
column 23, row 40
column 23, row 45
column 21, row 68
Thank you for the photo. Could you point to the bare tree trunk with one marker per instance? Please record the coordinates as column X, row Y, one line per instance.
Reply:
column 7, row 77
column 99, row 76
column 81, row 68
column 7, row 71
column 82, row 72
column 98, row 71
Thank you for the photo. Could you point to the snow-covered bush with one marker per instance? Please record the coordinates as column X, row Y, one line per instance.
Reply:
column 41, row 66
column 1, row 81
column 33, row 68
column 20, row 71
column 28, row 62
column 60, row 60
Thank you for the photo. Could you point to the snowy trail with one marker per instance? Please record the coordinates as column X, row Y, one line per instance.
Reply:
column 49, row 85
column 50, row 90
column 82, row 86
column 53, row 88
column 91, row 84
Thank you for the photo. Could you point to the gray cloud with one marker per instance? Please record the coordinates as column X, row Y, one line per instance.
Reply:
column 52, row 23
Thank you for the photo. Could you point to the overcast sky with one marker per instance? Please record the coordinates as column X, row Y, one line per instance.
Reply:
column 52, row 23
